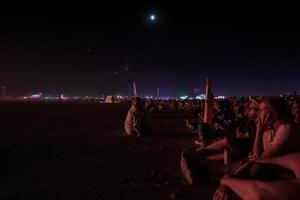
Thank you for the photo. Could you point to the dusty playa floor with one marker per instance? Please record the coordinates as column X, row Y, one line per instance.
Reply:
column 77, row 150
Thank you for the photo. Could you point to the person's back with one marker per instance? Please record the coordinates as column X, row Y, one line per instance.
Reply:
column 132, row 122
column 292, row 144
column 133, row 119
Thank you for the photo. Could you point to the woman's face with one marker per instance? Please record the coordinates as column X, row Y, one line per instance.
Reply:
column 265, row 110
column 252, row 111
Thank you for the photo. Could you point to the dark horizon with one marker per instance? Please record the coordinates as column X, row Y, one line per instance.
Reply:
column 77, row 52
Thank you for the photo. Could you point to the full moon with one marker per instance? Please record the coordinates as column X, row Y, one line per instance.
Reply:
column 152, row 17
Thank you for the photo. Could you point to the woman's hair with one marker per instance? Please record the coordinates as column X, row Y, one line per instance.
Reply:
column 137, row 101
column 280, row 106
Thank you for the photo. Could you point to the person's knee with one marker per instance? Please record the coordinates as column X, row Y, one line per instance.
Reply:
column 226, row 141
column 257, row 196
column 186, row 154
column 230, row 142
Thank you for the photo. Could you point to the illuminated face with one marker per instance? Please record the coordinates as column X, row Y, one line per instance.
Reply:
column 252, row 112
column 265, row 109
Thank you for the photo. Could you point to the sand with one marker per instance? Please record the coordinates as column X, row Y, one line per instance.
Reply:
column 77, row 150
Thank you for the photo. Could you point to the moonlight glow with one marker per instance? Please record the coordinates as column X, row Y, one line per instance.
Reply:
column 152, row 17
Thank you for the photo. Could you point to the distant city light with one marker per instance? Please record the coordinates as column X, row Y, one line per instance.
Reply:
column 165, row 98
column 220, row 97
column 36, row 96
column 200, row 97
column 183, row 97
column 63, row 97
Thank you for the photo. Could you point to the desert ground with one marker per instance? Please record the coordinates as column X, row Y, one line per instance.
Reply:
column 78, row 150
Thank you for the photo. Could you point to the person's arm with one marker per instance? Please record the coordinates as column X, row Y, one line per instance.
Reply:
column 289, row 161
column 256, row 189
column 268, row 153
column 218, row 156
column 245, row 189
column 218, row 145
column 258, row 141
column 137, row 124
column 281, row 136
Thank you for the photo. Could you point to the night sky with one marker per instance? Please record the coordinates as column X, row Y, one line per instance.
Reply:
column 78, row 51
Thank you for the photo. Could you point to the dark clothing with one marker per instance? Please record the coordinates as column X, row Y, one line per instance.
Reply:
column 245, row 145
column 201, row 169
column 292, row 143
column 250, row 127
column 207, row 135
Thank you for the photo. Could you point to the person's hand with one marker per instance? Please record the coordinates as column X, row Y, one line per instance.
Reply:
column 223, row 179
column 221, row 193
column 252, row 156
column 263, row 122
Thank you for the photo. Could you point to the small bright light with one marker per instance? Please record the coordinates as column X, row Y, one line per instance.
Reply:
column 152, row 17
column 183, row 97
column 200, row 97
column 220, row 97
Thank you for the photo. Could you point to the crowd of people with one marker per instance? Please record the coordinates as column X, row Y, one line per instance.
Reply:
column 251, row 142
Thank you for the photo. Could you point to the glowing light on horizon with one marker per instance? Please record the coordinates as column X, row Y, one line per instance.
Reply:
column 183, row 97
column 201, row 96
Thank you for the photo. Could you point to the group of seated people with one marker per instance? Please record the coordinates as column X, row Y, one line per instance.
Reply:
column 264, row 153
column 159, row 105
column 261, row 138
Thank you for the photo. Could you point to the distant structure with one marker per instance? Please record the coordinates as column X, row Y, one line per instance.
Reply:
column 109, row 99
column 135, row 94
column 196, row 90
column 63, row 97
column 128, row 74
column 208, row 103
column 157, row 93
column 36, row 96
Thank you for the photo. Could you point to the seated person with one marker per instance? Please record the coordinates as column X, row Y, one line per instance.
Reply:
column 242, row 143
column 273, row 128
column 135, row 122
column 274, row 137
column 222, row 124
column 194, row 164
column 193, row 123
